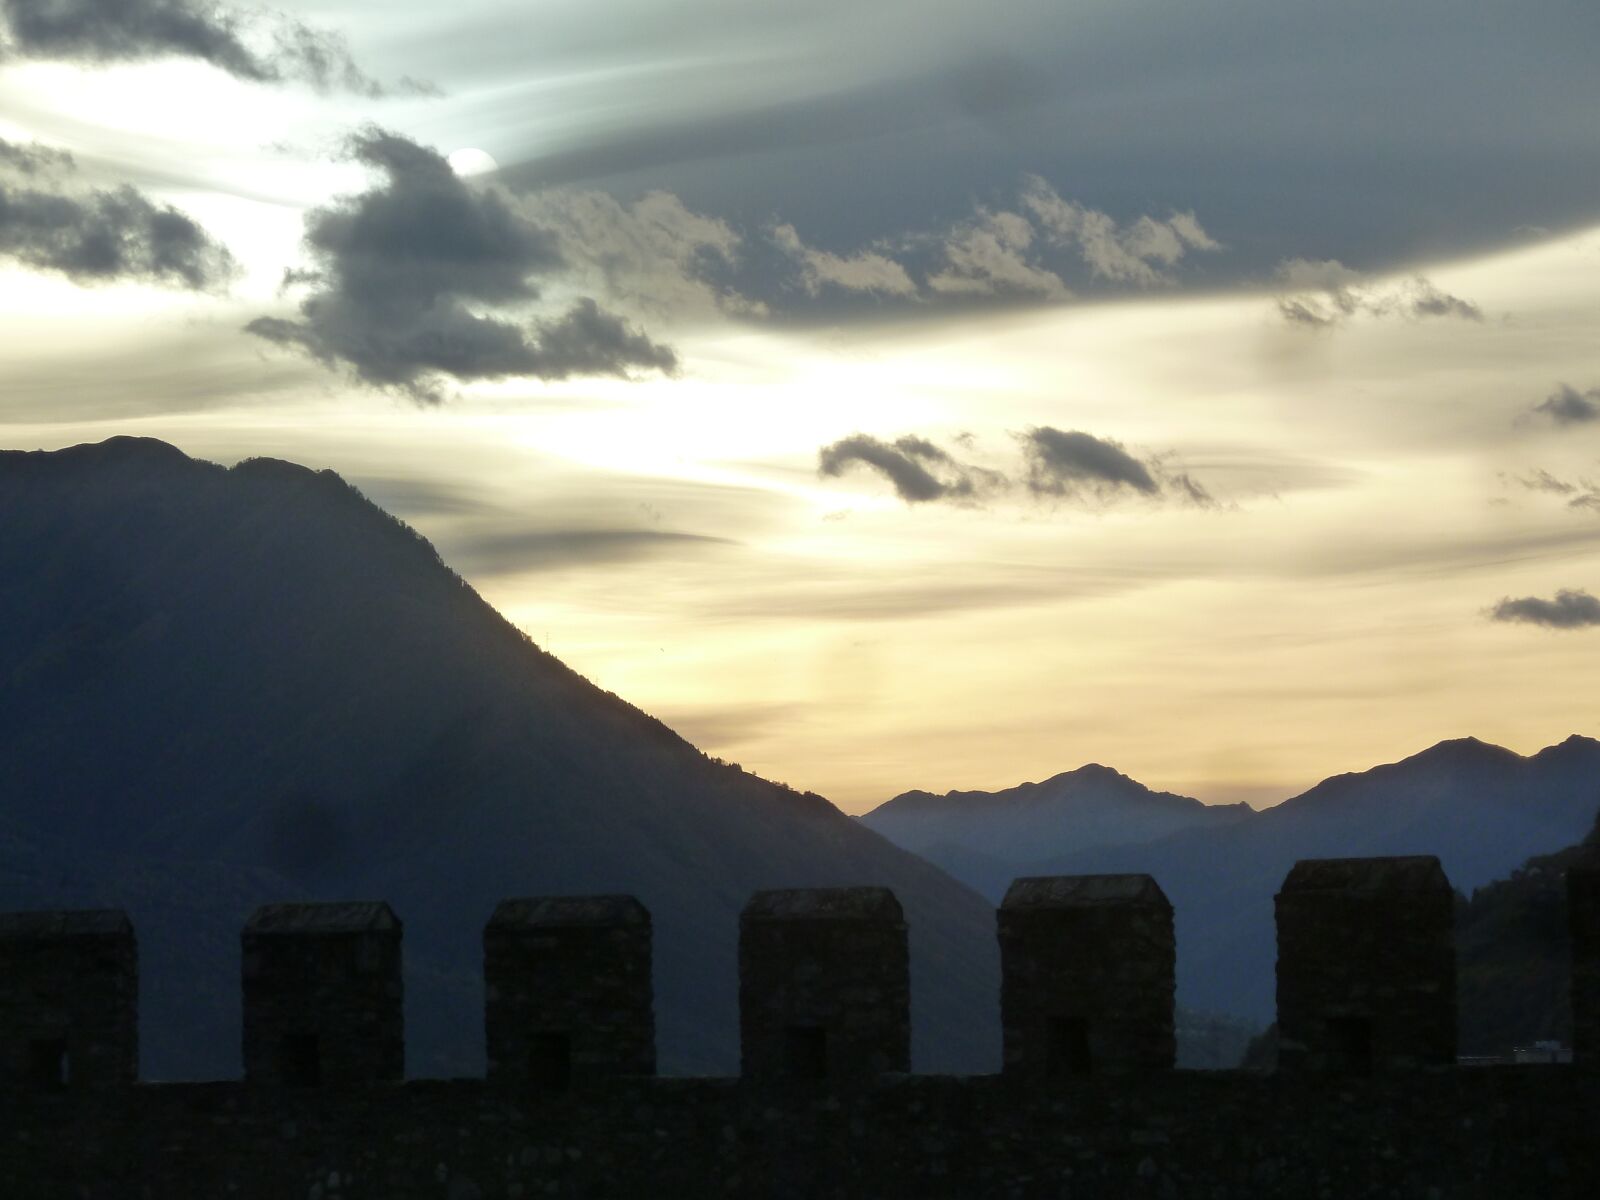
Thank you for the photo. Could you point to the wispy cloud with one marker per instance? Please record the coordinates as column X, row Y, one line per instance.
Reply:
column 1582, row 493
column 1074, row 465
column 863, row 271
column 416, row 282
column 992, row 255
column 1056, row 465
column 1142, row 252
column 260, row 45
column 919, row 470
column 1568, row 406
column 1321, row 294
column 1028, row 251
column 654, row 255
column 49, row 222
column 1569, row 610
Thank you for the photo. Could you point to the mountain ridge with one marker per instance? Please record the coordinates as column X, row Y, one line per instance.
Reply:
column 226, row 686
column 1481, row 808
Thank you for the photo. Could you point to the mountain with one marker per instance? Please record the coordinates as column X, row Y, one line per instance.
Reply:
column 220, row 687
column 1481, row 808
column 1514, row 955
column 985, row 837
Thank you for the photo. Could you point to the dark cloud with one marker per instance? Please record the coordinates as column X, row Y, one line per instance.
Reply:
column 1424, row 139
column 1077, row 465
column 1569, row 610
column 404, row 270
column 1568, row 406
column 98, row 235
column 919, row 470
column 1066, row 463
column 255, row 44
column 1057, row 464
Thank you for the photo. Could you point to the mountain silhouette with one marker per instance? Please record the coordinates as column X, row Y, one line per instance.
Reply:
column 1481, row 808
column 221, row 687
column 1515, row 954
column 987, row 838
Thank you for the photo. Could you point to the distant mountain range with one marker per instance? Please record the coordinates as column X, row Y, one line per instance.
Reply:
column 987, row 835
column 220, row 687
column 1482, row 809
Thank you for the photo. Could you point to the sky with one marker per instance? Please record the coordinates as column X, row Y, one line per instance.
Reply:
column 885, row 394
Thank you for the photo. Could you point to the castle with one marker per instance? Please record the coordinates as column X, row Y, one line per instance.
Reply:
column 1367, row 1099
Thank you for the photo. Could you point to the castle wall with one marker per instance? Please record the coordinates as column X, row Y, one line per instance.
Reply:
column 1087, row 976
column 824, row 985
column 1479, row 1134
column 1366, row 966
column 568, row 991
column 69, row 1000
column 322, row 994
column 817, row 957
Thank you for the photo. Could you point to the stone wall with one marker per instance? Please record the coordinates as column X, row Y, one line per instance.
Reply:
column 1478, row 1134
column 824, row 985
column 69, row 1000
column 1087, row 976
column 322, row 994
column 567, row 990
column 1407, row 1130
column 1366, row 966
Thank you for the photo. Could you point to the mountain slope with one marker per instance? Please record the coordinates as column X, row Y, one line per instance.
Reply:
column 984, row 838
column 1515, row 955
column 219, row 687
column 1482, row 809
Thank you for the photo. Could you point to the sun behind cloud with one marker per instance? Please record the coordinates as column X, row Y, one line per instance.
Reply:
column 469, row 160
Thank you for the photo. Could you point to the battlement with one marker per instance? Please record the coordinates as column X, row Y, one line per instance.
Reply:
column 1087, row 1099
column 1366, row 983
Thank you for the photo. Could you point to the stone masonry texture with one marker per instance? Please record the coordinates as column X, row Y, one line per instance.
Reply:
column 69, row 999
column 322, row 994
column 567, row 990
column 824, row 985
column 1474, row 1133
column 1366, row 966
column 1087, row 975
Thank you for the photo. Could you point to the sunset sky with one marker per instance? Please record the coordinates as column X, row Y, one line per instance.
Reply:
column 886, row 394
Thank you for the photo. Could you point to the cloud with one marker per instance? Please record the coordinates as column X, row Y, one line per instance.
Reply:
column 919, row 470
column 414, row 276
column 1540, row 480
column 1323, row 293
column 501, row 553
column 1569, row 610
column 1057, row 464
column 1425, row 300
column 1583, row 495
column 259, row 45
column 1568, row 406
column 654, row 255
column 657, row 256
column 47, row 223
column 989, row 255
column 1141, row 253
column 1074, row 465
column 865, row 271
